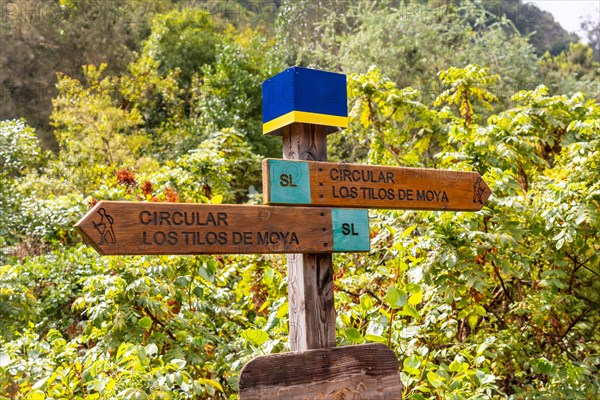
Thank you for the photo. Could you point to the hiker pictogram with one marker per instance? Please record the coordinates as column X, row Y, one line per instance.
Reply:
column 478, row 190
column 105, row 227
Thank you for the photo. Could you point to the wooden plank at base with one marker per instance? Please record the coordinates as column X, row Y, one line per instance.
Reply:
column 355, row 372
column 327, row 184
column 134, row 228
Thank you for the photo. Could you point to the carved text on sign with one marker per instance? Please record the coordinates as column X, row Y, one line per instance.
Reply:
column 366, row 186
column 114, row 227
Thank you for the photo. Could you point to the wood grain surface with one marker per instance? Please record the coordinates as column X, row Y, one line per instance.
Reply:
column 131, row 228
column 363, row 372
column 366, row 186
column 310, row 276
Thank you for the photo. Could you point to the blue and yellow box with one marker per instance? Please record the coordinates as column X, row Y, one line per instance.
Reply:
column 304, row 95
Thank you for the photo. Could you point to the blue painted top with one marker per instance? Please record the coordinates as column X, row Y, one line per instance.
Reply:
column 304, row 89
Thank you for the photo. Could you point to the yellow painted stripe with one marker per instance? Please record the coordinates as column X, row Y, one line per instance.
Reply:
column 278, row 122
column 305, row 117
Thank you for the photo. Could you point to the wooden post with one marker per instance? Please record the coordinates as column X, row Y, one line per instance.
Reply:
column 310, row 276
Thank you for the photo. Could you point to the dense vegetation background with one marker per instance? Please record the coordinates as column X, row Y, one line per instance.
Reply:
column 160, row 101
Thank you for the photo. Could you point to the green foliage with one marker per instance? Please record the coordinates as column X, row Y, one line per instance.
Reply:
column 502, row 303
column 41, row 39
column 159, row 100
column 419, row 41
column 182, row 104
column 592, row 29
column 152, row 327
column 467, row 85
column 19, row 149
column 399, row 129
column 230, row 92
column 20, row 154
column 572, row 71
column 224, row 165
column 91, row 129
column 183, row 40
column 502, row 300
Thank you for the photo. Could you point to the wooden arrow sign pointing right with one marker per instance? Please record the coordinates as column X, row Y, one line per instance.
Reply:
column 130, row 228
column 365, row 186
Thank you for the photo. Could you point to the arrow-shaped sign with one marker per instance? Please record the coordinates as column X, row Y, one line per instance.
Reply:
column 365, row 186
column 129, row 228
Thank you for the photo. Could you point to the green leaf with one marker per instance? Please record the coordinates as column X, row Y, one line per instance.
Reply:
column 434, row 379
column 454, row 366
column 256, row 336
column 145, row 323
column 375, row 338
column 37, row 395
column 411, row 311
column 390, row 228
column 151, row 349
column 473, row 319
column 481, row 348
column 206, row 273
column 210, row 382
column 133, row 394
column 179, row 363
column 408, row 230
column 40, row 383
column 412, row 362
column 182, row 281
column 413, row 288
column 395, row 297
column 415, row 298
column 353, row 335
column 218, row 199
column 484, row 378
column 283, row 310
column 560, row 235
column 141, row 351
column 366, row 303
column 178, row 378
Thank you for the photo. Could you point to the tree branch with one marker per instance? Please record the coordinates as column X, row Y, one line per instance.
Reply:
column 357, row 295
column 575, row 321
column 581, row 264
column 159, row 322
column 502, row 282
column 376, row 126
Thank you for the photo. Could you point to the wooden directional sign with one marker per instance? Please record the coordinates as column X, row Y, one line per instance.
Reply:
column 130, row 228
column 364, row 372
column 366, row 186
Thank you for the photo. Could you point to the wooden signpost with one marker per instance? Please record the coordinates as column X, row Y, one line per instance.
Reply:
column 116, row 227
column 316, row 369
column 303, row 106
column 367, row 186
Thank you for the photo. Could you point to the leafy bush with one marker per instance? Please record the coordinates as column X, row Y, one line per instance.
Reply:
column 502, row 303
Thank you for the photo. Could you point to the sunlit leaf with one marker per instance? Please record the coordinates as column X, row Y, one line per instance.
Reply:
column 145, row 323
column 395, row 297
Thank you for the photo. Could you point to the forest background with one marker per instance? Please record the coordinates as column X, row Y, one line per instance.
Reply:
column 161, row 101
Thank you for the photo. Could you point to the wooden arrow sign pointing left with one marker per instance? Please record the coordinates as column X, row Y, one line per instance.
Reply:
column 130, row 228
